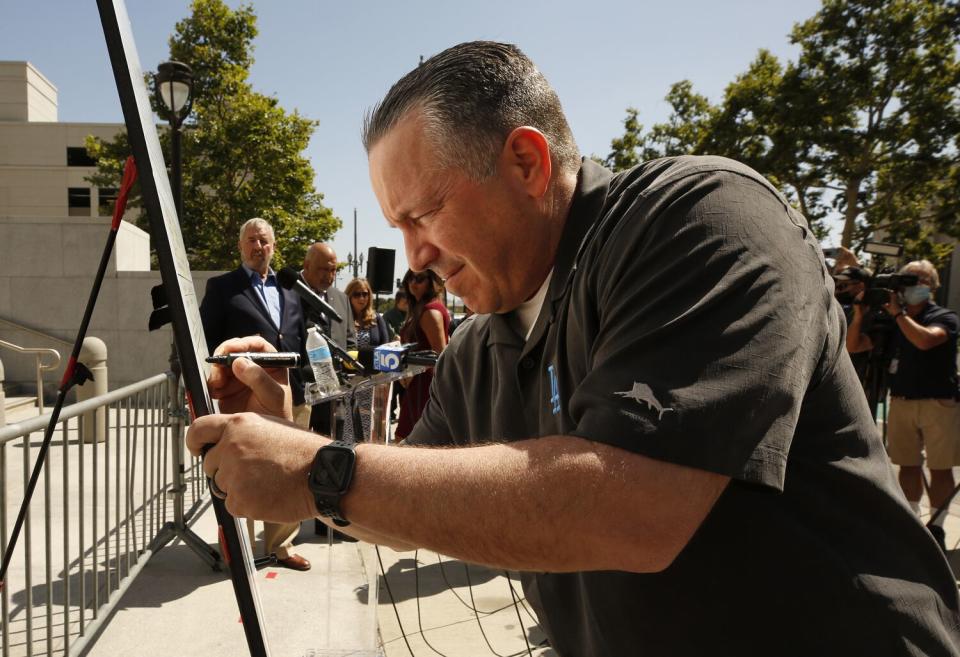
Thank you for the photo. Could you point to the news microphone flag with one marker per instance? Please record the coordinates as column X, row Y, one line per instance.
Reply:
column 389, row 358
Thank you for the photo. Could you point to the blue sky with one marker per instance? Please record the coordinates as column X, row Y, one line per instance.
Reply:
column 333, row 60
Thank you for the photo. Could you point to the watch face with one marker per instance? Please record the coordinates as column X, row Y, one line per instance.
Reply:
column 333, row 468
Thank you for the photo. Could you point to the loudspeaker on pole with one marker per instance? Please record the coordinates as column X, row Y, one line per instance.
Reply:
column 380, row 264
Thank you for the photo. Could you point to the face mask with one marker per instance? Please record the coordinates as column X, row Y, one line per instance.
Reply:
column 916, row 294
column 845, row 298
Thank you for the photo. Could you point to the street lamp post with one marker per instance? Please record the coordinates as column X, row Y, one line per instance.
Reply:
column 355, row 263
column 174, row 91
column 173, row 87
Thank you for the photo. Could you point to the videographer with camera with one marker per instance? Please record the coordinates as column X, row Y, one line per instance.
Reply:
column 848, row 284
column 924, row 411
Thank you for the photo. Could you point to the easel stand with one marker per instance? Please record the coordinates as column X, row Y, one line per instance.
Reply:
column 177, row 528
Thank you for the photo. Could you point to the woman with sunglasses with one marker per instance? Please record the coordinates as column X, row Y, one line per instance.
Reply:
column 371, row 332
column 371, row 327
column 427, row 324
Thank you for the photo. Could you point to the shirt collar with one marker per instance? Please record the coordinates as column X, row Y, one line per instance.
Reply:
column 251, row 274
column 586, row 208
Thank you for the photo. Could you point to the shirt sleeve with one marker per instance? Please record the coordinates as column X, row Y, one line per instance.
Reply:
column 712, row 314
column 211, row 314
column 432, row 427
column 947, row 320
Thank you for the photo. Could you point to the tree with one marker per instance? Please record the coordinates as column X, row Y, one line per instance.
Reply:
column 690, row 119
column 863, row 127
column 242, row 151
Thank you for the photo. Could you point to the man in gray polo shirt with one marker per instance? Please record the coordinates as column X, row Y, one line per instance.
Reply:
column 655, row 418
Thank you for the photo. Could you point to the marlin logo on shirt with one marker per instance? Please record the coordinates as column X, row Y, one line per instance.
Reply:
column 641, row 392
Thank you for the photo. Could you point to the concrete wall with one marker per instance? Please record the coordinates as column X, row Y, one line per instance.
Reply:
column 46, row 274
column 120, row 320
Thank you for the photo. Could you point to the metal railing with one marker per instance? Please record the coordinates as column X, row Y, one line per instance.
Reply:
column 104, row 505
column 38, row 353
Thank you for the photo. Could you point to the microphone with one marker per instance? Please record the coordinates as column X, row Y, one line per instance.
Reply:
column 290, row 280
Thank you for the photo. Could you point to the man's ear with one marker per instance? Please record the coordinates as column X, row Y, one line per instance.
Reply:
column 526, row 160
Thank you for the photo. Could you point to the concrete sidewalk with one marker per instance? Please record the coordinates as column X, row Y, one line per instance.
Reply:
column 179, row 606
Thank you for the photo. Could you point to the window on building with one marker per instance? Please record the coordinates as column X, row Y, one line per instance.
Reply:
column 78, row 201
column 77, row 157
column 107, row 196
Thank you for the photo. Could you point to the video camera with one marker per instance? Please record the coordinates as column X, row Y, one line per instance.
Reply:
column 877, row 288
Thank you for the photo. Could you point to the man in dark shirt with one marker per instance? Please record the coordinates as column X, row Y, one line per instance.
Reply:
column 651, row 416
column 924, row 412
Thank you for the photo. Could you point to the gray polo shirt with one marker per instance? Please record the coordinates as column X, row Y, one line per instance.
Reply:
column 689, row 320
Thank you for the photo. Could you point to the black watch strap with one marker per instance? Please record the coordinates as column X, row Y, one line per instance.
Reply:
column 330, row 478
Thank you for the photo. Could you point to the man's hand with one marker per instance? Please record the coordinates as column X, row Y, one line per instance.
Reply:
column 858, row 306
column 845, row 258
column 856, row 340
column 245, row 386
column 893, row 306
column 261, row 463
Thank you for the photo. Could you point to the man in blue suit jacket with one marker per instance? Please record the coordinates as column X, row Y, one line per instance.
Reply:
column 250, row 301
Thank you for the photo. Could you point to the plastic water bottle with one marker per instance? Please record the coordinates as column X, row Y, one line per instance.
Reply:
column 318, row 353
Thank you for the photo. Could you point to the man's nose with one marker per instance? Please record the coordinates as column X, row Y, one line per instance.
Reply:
column 421, row 253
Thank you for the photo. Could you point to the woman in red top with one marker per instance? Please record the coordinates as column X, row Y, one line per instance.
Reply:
column 427, row 324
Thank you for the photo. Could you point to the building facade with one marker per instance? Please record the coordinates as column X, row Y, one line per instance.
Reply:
column 54, row 224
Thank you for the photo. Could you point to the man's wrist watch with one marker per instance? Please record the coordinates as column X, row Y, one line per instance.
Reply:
column 330, row 477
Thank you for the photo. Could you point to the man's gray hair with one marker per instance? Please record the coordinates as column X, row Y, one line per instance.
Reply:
column 256, row 222
column 923, row 268
column 472, row 96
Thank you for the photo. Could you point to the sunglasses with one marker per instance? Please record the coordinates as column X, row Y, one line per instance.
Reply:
column 420, row 278
column 359, row 294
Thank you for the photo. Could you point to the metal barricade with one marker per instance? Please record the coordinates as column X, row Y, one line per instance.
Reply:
column 100, row 505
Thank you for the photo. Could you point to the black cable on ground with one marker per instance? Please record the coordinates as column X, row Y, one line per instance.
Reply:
column 450, row 586
column 523, row 604
column 516, row 599
column 473, row 602
column 516, row 607
column 416, row 584
column 393, row 601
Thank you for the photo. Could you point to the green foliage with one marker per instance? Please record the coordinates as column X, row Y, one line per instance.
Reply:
column 863, row 127
column 242, row 152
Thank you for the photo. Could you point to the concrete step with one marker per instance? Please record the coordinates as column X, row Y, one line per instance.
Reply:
column 17, row 409
column 13, row 403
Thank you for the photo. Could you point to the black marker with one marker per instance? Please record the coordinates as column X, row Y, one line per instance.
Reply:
column 261, row 358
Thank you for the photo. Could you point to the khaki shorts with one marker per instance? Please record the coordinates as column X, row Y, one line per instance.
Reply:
column 917, row 424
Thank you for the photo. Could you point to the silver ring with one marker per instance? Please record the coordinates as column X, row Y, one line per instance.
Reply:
column 215, row 490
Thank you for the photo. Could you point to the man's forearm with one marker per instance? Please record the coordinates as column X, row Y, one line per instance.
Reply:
column 856, row 340
column 921, row 337
column 556, row 504
column 363, row 534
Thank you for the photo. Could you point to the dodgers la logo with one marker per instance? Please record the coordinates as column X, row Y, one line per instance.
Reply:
column 554, row 389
